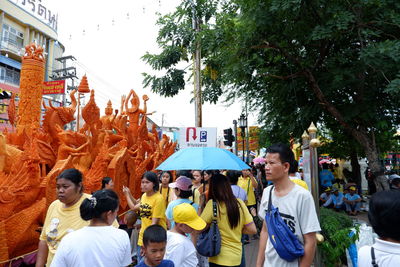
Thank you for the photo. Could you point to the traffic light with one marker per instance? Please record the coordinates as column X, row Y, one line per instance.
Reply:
column 228, row 136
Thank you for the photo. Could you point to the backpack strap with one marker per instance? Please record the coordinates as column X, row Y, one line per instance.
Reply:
column 214, row 209
column 373, row 262
column 270, row 199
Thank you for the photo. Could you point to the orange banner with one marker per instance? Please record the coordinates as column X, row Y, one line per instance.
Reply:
column 54, row 87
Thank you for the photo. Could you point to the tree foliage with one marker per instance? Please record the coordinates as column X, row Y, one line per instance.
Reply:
column 329, row 61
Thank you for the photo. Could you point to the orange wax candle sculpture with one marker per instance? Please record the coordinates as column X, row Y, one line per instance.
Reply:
column 31, row 87
column 117, row 144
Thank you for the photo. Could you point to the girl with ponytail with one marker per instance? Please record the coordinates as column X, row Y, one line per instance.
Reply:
column 99, row 244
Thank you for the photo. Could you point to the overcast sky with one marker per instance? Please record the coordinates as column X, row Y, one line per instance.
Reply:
column 109, row 37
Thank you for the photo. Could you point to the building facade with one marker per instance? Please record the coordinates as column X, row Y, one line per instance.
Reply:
column 21, row 23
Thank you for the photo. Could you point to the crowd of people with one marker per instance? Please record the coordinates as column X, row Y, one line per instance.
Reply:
column 271, row 204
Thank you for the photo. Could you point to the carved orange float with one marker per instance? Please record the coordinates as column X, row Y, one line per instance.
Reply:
column 33, row 156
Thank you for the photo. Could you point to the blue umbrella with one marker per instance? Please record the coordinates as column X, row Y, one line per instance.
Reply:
column 203, row 158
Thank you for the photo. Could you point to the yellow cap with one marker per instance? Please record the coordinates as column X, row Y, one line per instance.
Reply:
column 185, row 213
column 352, row 188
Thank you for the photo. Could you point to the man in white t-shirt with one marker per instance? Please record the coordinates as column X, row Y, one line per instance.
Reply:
column 180, row 248
column 296, row 207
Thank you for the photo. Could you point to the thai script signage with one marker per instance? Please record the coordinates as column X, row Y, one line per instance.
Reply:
column 40, row 11
column 54, row 87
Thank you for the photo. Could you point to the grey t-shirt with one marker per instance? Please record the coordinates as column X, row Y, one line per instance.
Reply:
column 298, row 211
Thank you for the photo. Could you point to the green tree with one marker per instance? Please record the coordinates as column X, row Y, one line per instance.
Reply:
column 331, row 61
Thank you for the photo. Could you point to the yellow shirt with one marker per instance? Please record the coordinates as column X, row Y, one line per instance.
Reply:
column 301, row 183
column 245, row 183
column 196, row 196
column 151, row 207
column 59, row 222
column 166, row 194
column 231, row 245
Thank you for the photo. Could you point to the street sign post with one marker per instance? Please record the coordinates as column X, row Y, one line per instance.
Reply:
column 197, row 137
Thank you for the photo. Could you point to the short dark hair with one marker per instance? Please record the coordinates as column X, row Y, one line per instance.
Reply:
column 185, row 193
column 383, row 214
column 73, row 175
column 284, row 151
column 105, row 181
column 233, row 176
column 294, row 167
column 152, row 177
column 154, row 234
column 187, row 173
column 101, row 201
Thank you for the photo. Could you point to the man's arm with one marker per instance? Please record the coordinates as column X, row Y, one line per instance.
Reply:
column 262, row 245
column 310, row 242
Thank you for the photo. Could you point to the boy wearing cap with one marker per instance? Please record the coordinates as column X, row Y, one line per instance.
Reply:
column 324, row 197
column 183, row 190
column 352, row 201
column 180, row 248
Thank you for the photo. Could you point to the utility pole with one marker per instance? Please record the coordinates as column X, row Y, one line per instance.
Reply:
column 235, row 133
column 197, row 68
column 65, row 73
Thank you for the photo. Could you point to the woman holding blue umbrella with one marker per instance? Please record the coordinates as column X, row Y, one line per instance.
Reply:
column 233, row 220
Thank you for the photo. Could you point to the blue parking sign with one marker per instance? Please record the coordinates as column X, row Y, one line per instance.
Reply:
column 203, row 136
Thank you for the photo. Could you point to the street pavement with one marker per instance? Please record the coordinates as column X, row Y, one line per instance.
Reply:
column 251, row 251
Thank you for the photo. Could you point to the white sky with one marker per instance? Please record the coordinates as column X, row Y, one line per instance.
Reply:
column 111, row 56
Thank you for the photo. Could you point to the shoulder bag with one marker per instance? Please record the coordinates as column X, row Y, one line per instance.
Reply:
column 285, row 242
column 209, row 241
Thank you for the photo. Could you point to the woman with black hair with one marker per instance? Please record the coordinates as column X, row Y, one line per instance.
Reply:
column 166, row 179
column 107, row 183
column 384, row 216
column 233, row 220
column 151, row 206
column 99, row 244
column 62, row 215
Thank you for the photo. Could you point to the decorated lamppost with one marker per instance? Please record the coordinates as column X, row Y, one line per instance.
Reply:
column 314, row 144
column 243, row 125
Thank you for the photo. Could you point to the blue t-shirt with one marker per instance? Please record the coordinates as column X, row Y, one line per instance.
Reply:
column 352, row 197
column 326, row 178
column 173, row 204
column 164, row 263
column 337, row 200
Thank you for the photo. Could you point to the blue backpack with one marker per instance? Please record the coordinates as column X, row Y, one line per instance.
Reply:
column 286, row 244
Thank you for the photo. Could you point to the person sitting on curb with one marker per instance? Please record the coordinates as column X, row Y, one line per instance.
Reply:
column 335, row 200
column 324, row 197
column 352, row 201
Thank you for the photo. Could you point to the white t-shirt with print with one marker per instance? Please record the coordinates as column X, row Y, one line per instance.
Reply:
column 100, row 246
column 297, row 209
column 180, row 250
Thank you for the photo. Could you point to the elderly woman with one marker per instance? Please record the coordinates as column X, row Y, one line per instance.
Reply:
column 63, row 215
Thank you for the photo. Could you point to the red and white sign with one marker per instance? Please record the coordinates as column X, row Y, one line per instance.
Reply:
column 197, row 137
column 54, row 87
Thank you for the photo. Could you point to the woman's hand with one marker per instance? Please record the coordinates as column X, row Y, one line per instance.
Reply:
column 126, row 190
